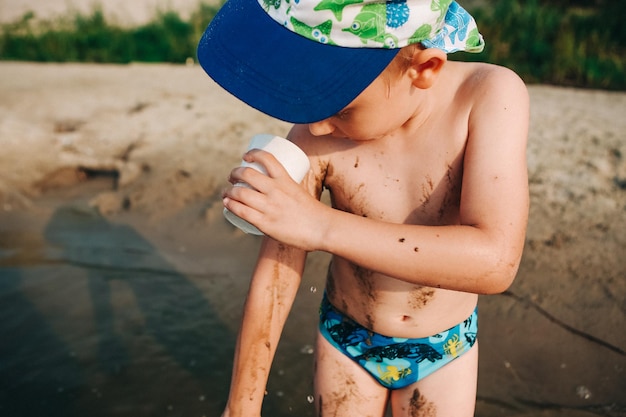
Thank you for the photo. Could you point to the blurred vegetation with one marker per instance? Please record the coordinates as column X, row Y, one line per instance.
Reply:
column 578, row 43
column 563, row 42
column 91, row 38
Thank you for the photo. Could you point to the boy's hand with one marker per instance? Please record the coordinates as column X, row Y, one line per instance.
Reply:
column 277, row 205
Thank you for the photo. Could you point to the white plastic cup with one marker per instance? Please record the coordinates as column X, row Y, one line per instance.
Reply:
column 292, row 158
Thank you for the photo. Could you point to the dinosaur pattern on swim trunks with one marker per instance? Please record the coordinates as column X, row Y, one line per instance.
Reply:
column 396, row 362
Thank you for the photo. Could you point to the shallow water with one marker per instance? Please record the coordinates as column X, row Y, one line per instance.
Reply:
column 137, row 317
column 99, row 320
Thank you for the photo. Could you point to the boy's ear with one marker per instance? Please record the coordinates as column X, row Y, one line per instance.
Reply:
column 426, row 66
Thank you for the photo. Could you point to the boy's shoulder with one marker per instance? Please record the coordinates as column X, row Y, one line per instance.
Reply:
column 482, row 80
column 482, row 88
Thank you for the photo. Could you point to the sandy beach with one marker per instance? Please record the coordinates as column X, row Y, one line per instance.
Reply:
column 121, row 283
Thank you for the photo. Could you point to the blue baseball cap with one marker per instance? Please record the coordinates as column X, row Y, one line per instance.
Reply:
column 303, row 61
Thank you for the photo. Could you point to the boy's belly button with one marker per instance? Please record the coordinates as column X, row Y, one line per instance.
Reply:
column 407, row 321
column 402, row 325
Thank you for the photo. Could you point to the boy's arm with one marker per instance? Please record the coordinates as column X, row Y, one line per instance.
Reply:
column 272, row 291
column 275, row 281
column 480, row 255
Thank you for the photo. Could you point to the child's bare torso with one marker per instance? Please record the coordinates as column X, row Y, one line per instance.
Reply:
column 405, row 178
column 386, row 185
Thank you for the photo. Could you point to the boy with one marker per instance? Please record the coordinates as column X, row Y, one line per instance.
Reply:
column 425, row 163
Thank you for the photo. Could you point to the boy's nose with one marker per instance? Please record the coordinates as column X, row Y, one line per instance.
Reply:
column 323, row 127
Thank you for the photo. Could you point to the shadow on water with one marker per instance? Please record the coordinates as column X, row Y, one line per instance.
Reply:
column 95, row 321
column 36, row 367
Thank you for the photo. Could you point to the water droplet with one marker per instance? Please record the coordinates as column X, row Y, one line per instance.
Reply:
column 310, row 399
column 280, row 394
column 313, row 289
column 202, row 398
column 307, row 350
column 583, row 392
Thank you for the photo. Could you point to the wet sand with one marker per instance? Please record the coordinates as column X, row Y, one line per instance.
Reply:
column 121, row 283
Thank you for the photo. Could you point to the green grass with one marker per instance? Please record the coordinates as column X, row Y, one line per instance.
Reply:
column 581, row 43
column 167, row 38
column 544, row 42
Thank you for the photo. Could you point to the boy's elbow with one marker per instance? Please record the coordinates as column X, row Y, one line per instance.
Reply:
column 502, row 272
column 498, row 284
column 501, row 276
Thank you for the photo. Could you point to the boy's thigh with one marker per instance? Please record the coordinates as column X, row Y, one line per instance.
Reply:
column 342, row 387
column 448, row 392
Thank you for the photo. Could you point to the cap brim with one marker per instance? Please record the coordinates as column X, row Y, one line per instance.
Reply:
column 281, row 73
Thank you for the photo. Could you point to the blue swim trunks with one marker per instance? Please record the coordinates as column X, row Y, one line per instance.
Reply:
column 396, row 362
